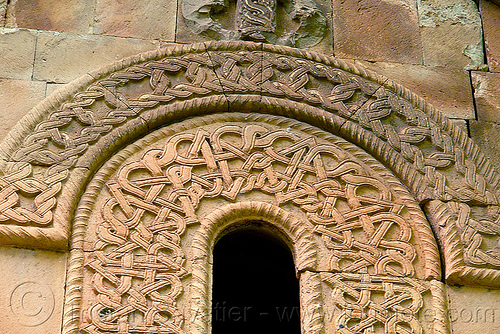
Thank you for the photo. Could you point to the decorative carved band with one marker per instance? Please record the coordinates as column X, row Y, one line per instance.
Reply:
column 362, row 310
column 434, row 158
column 134, row 263
column 256, row 21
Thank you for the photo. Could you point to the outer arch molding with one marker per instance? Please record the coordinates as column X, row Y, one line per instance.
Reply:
column 63, row 139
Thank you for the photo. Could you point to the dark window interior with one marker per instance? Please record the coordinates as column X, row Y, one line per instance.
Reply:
column 255, row 289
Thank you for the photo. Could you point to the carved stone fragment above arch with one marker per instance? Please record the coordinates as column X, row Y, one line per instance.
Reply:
column 49, row 156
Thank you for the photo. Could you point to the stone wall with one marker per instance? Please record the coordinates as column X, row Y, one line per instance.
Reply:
column 446, row 51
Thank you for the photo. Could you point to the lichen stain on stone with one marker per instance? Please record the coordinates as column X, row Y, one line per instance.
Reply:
column 431, row 16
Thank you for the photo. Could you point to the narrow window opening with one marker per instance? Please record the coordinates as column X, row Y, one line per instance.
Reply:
column 255, row 289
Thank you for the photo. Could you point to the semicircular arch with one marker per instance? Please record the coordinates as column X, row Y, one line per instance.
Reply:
column 443, row 168
column 146, row 223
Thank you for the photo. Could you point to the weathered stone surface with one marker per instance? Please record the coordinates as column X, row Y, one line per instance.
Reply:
column 326, row 44
column 69, row 15
column 486, row 94
column 302, row 24
column 461, row 123
column 451, row 34
column 183, row 34
column 17, row 49
column 3, row 12
column 377, row 30
column 17, row 97
column 32, row 291
column 63, row 57
column 139, row 19
column 51, row 88
column 490, row 14
column 449, row 90
column 474, row 310
column 487, row 136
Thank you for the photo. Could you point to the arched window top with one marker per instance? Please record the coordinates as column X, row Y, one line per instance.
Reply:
column 254, row 285
column 265, row 221
column 150, row 220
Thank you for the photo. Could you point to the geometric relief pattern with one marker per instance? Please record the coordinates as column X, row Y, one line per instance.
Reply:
column 137, row 276
column 372, row 304
column 137, row 263
column 435, row 160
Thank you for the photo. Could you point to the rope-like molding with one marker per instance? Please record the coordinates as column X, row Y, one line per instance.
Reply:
column 298, row 237
column 312, row 303
column 215, row 223
column 385, row 119
column 439, row 308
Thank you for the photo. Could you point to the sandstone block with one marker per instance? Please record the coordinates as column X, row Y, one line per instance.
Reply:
column 17, row 49
column 63, row 57
column 3, row 12
column 377, row 30
column 51, row 88
column 68, row 15
column 462, row 124
column 17, row 97
column 487, row 136
column 451, row 34
column 486, row 93
column 139, row 19
column 490, row 14
column 448, row 90
column 32, row 293
column 474, row 310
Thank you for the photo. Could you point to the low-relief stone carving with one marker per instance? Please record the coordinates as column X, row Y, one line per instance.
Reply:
column 256, row 21
column 136, row 232
column 362, row 309
column 50, row 155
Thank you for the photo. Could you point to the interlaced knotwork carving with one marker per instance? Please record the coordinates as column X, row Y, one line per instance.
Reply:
column 256, row 21
column 137, row 270
column 367, row 302
column 152, row 200
column 472, row 225
column 256, row 17
column 434, row 162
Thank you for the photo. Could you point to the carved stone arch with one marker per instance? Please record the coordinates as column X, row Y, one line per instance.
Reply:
column 146, row 224
column 293, row 232
column 51, row 153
